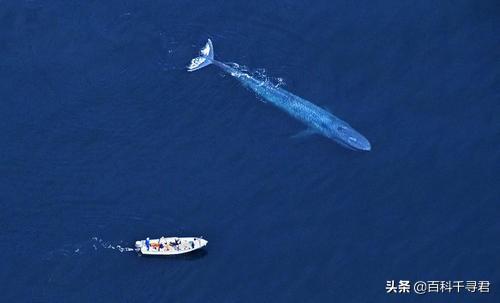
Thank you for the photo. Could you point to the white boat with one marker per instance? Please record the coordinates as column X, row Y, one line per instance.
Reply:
column 170, row 245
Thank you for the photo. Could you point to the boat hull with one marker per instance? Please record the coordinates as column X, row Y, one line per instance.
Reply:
column 167, row 246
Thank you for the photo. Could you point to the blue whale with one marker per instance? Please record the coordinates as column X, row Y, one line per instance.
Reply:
column 318, row 120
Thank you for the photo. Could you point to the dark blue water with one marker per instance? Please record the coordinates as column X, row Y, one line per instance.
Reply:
column 104, row 134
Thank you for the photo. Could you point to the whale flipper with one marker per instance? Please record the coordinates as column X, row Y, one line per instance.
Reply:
column 206, row 57
column 304, row 133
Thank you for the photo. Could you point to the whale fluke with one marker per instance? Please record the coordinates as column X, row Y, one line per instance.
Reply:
column 206, row 57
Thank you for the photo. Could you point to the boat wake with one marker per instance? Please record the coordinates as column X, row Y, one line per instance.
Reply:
column 108, row 245
column 87, row 247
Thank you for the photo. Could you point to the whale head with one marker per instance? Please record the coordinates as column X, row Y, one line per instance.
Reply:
column 348, row 136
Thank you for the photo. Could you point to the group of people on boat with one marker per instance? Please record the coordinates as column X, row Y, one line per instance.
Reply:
column 162, row 244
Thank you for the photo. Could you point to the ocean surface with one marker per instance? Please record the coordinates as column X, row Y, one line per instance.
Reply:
column 106, row 139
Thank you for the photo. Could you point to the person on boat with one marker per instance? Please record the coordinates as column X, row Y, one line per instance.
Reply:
column 175, row 244
column 147, row 243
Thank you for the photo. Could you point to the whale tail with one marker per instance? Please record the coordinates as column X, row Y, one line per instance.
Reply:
column 206, row 57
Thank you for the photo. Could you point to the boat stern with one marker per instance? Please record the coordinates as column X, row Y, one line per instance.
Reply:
column 139, row 244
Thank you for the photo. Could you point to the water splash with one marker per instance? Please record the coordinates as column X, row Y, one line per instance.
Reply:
column 260, row 74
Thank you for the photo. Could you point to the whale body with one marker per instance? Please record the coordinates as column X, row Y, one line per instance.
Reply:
column 317, row 119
